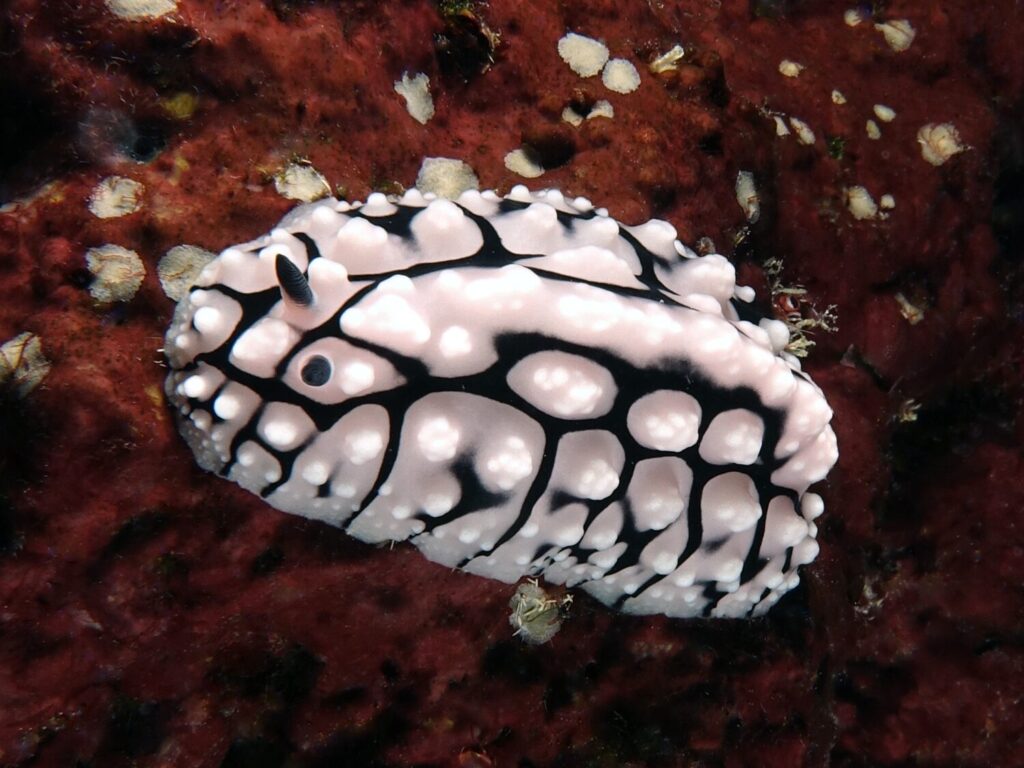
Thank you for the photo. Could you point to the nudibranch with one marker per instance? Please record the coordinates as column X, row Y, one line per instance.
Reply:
column 519, row 386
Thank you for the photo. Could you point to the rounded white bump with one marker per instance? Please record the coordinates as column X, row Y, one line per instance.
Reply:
column 733, row 437
column 665, row 420
column 438, row 439
column 563, row 385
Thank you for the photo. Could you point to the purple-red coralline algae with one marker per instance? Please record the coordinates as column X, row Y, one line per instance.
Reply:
column 151, row 614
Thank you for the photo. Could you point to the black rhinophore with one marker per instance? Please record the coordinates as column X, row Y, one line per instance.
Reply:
column 294, row 285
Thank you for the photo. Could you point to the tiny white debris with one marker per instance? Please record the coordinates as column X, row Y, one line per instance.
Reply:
column 522, row 162
column 620, row 75
column 860, row 203
column 802, row 130
column 790, row 68
column 536, row 616
column 179, row 268
column 746, row 196
column 584, row 55
column 888, row 202
column 939, row 142
column 668, row 61
column 837, row 97
column 446, row 177
column 884, row 113
column 115, row 196
column 911, row 312
column 853, row 17
column 416, row 92
column 899, row 34
column 602, row 108
column 22, row 364
column 781, row 129
column 141, row 10
column 908, row 412
column 873, row 131
column 301, row 181
column 117, row 271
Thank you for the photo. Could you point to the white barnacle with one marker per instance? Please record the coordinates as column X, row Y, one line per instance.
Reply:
column 524, row 161
column 939, row 142
column 141, row 10
column 416, row 92
column 584, row 55
column 22, row 364
column 747, row 197
column 114, row 197
column 299, row 180
column 803, row 131
column 620, row 76
column 180, row 267
column 898, row 33
column 446, row 177
column 117, row 273
column 789, row 68
column 860, row 203
column 884, row 113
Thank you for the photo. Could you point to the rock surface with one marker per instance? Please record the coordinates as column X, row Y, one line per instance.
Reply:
column 151, row 614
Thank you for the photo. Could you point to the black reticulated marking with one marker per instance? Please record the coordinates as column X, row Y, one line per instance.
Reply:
column 508, row 205
column 293, row 283
column 631, row 381
column 473, row 498
column 397, row 406
column 312, row 251
column 316, row 371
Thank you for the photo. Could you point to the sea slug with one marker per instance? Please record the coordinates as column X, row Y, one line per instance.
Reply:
column 520, row 386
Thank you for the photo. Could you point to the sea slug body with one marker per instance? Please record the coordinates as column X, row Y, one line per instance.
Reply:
column 519, row 386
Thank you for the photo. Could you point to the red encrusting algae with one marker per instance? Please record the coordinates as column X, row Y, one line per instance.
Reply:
column 155, row 615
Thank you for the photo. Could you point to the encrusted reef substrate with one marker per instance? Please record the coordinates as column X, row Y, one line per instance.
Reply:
column 155, row 614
